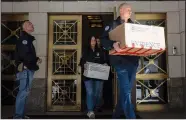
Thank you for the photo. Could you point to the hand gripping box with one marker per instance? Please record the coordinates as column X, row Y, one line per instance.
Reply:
column 97, row 71
column 138, row 40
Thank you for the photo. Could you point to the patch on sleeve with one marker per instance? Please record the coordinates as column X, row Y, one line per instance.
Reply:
column 106, row 28
column 24, row 42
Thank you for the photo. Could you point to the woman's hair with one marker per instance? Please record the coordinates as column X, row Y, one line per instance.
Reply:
column 89, row 42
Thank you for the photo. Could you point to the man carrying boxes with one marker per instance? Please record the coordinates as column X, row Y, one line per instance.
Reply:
column 126, row 42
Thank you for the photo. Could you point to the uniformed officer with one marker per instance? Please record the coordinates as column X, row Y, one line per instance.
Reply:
column 26, row 64
column 125, row 65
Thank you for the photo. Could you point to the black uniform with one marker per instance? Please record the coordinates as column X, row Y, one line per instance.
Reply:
column 108, row 45
column 97, row 56
column 25, row 52
column 106, row 54
column 89, row 55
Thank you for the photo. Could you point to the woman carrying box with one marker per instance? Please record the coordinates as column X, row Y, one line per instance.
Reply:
column 93, row 86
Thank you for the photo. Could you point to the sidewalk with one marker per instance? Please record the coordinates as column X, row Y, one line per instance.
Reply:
column 7, row 112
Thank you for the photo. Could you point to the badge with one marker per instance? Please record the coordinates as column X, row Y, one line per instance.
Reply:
column 24, row 42
column 106, row 28
column 97, row 54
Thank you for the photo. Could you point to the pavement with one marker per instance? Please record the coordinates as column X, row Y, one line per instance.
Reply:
column 7, row 113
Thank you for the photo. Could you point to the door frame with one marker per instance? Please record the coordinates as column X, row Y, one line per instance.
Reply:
column 159, row 76
column 77, row 76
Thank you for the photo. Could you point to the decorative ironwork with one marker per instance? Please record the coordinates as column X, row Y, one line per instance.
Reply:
column 10, row 31
column 64, row 92
column 65, row 32
column 150, row 91
column 151, row 65
column 64, row 80
column 152, row 74
column 11, row 27
column 64, row 62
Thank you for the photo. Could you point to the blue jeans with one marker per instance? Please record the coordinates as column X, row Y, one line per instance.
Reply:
column 25, row 79
column 126, row 76
column 93, row 93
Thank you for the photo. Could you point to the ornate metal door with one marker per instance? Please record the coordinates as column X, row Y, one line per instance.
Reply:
column 10, row 31
column 64, row 80
column 151, row 85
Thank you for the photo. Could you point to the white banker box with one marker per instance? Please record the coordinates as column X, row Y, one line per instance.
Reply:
column 140, row 40
column 97, row 71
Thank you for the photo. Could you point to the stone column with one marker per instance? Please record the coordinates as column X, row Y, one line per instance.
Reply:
column 182, row 38
column 175, row 61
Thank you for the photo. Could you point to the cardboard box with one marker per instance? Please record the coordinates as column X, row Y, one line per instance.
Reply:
column 97, row 71
column 138, row 40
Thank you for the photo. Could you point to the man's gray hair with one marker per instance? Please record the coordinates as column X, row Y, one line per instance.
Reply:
column 123, row 5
